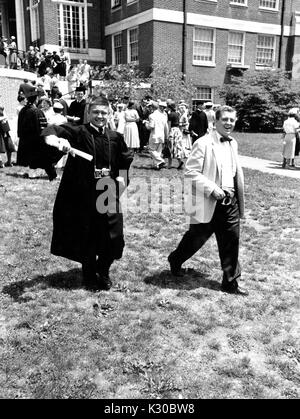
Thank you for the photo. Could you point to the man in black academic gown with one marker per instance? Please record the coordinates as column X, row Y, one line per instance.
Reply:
column 83, row 231
column 33, row 152
column 77, row 107
column 144, row 111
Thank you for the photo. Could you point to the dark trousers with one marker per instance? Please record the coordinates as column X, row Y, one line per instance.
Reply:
column 225, row 224
column 99, row 254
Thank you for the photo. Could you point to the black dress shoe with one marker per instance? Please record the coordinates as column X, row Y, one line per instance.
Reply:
column 234, row 288
column 104, row 283
column 175, row 268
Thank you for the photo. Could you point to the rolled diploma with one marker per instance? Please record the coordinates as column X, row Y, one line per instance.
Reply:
column 54, row 141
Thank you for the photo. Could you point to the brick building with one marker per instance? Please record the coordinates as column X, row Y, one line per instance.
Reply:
column 77, row 25
column 209, row 40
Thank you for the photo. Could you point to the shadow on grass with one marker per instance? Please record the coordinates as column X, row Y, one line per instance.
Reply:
column 23, row 176
column 70, row 280
column 191, row 280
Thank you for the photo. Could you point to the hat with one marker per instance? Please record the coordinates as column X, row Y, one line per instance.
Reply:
column 182, row 103
column 81, row 89
column 208, row 104
column 293, row 111
column 12, row 37
column 58, row 105
column 162, row 104
column 100, row 101
column 32, row 91
column 154, row 104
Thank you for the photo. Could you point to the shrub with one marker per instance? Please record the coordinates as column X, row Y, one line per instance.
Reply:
column 262, row 99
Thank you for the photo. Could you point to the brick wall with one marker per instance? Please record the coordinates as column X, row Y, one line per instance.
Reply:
column 10, row 81
column 49, row 25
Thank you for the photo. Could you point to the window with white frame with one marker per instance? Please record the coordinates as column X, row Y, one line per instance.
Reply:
column 203, row 94
column 269, row 4
column 72, row 23
column 133, row 45
column 239, row 2
column 117, row 49
column 265, row 53
column 204, row 46
column 34, row 19
column 236, row 42
column 115, row 3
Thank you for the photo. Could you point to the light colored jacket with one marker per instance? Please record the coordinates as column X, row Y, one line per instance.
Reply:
column 158, row 124
column 203, row 175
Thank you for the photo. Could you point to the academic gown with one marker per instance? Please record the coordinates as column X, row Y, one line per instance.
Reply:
column 33, row 152
column 77, row 109
column 75, row 216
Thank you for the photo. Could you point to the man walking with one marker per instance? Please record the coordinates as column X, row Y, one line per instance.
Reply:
column 83, row 231
column 198, row 123
column 159, row 131
column 217, row 182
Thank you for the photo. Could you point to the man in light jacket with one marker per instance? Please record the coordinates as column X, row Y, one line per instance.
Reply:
column 159, row 131
column 216, row 200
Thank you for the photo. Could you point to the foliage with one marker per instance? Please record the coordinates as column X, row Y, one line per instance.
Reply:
column 262, row 99
column 122, row 80
column 168, row 83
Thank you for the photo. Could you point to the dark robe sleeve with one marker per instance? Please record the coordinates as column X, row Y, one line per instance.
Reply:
column 67, row 131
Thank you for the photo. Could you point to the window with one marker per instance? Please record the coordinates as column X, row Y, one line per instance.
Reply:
column 239, row 2
column 72, row 24
column 115, row 3
column 203, row 94
column 34, row 20
column 131, row 1
column 265, row 54
column 235, row 48
column 269, row 4
column 133, row 45
column 204, row 46
column 117, row 49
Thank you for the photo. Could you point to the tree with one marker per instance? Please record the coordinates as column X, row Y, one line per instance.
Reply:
column 168, row 83
column 122, row 80
column 261, row 98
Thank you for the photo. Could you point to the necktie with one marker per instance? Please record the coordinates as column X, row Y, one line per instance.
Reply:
column 224, row 139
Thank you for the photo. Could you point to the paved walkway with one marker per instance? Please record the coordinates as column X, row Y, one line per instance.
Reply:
column 268, row 166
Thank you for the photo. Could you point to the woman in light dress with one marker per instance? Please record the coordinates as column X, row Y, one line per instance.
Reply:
column 184, row 128
column 290, row 128
column 119, row 118
column 131, row 132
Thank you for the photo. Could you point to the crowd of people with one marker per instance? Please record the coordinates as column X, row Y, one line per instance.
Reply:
column 106, row 135
column 48, row 65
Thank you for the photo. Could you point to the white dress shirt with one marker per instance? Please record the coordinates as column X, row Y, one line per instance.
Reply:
column 228, row 163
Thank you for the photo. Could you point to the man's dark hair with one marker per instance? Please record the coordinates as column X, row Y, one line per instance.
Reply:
column 222, row 109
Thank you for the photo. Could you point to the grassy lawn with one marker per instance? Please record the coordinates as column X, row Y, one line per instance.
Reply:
column 151, row 336
column 263, row 146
